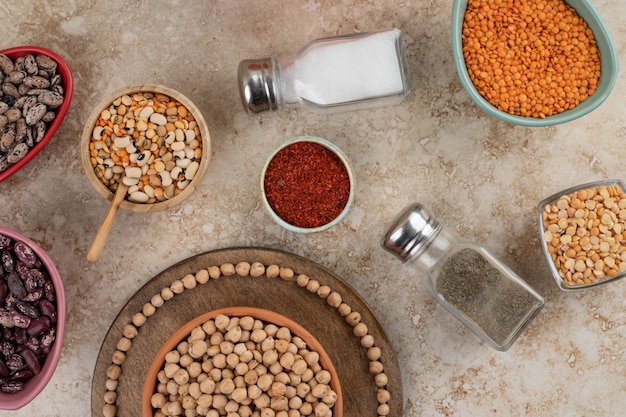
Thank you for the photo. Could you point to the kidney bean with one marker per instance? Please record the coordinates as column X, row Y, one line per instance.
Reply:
column 6, row 334
column 47, row 309
column 19, row 319
column 31, row 361
column 47, row 339
column 38, row 325
column 25, row 253
column 4, row 291
column 6, row 348
column 11, row 387
column 16, row 285
column 27, row 309
column 22, row 375
column 21, row 269
column 5, row 242
column 49, row 291
column 6, row 259
column 15, row 362
column 9, row 302
column 34, row 295
column 30, row 282
column 5, row 319
column 4, row 371
column 34, row 344
column 20, row 336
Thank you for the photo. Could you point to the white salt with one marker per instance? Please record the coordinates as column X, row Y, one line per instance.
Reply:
column 334, row 72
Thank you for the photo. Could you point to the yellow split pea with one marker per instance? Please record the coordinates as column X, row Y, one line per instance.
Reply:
column 585, row 234
column 530, row 58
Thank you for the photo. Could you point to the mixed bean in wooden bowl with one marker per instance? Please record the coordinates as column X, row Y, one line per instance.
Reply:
column 152, row 138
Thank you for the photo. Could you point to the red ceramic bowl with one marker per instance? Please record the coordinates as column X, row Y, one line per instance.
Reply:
column 33, row 387
column 68, row 86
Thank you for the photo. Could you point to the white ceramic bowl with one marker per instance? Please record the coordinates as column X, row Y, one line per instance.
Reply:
column 339, row 153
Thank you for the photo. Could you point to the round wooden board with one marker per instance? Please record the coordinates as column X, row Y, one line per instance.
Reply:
column 284, row 297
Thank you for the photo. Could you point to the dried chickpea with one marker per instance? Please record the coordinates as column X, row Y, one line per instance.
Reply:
column 302, row 280
column 242, row 269
column 272, row 271
column 215, row 272
column 227, row 269
column 189, row 281
column 286, row 274
column 130, row 331
column 257, row 269
column 202, row 276
column 124, row 344
column 118, row 357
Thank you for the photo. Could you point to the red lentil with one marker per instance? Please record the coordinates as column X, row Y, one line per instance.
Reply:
column 530, row 58
column 307, row 185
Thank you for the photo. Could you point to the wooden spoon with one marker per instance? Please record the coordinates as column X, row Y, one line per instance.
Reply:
column 101, row 236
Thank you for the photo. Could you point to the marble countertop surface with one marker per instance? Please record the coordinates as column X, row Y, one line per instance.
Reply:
column 482, row 178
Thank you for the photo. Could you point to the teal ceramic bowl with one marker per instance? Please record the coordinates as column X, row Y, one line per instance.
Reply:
column 608, row 61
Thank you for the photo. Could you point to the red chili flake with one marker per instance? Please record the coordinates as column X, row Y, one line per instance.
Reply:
column 307, row 185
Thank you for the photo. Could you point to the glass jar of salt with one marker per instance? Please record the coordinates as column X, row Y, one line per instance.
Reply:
column 339, row 73
column 478, row 289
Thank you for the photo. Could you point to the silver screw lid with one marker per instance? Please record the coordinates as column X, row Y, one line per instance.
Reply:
column 257, row 85
column 411, row 233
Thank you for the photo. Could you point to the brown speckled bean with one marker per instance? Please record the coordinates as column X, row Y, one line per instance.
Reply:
column 30, row 95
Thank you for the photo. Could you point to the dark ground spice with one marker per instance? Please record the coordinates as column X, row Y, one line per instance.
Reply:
column 497, row 304
column 307, row 185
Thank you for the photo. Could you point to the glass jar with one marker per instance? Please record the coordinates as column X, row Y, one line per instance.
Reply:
column 333, row 74
column 478, row 289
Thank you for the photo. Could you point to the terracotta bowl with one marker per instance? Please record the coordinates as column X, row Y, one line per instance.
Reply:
column 68, row 86
column 36, row 384
column 154, row 88
column 265, row 316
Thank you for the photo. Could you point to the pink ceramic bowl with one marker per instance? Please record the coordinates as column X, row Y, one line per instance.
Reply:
column 68, row 86
column 33, row 387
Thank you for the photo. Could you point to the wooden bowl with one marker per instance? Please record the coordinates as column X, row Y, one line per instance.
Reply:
column 61, row 111
column 154, row 88
column 265, row 316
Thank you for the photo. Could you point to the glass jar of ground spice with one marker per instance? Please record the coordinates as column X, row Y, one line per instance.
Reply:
column 307, row 184
column 478, row 289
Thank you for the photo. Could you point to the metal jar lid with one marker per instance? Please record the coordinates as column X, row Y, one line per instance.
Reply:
column 257, row 85
column 411, row 233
